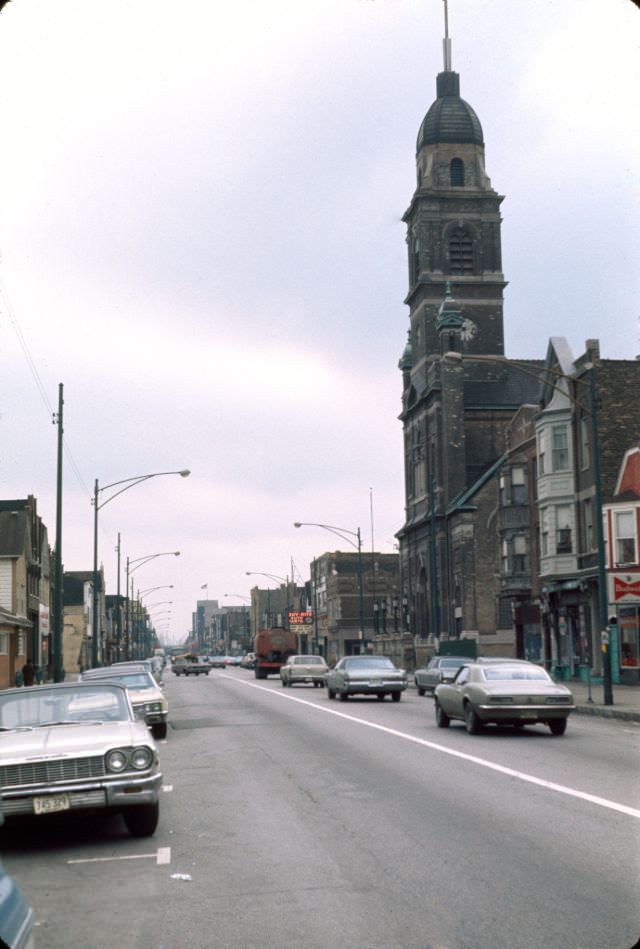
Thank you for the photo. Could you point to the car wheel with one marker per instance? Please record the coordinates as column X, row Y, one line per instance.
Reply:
column 283, row 683
column 344, row 696
column 380, row 696
column 396, row 696
column 471, row 720
column 159, row 730
column 558, row 726
column 420, row 690
column 330, row 694
column 141, row 820
column 442, row 719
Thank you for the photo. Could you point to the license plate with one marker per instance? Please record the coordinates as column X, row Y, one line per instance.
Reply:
column 375, row 682
column 51, row 804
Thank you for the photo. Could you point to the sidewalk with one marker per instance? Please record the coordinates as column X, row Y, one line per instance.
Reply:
column 626, row 701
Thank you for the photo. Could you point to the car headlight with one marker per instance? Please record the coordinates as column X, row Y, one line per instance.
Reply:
column 116, row 760
column 141, row 758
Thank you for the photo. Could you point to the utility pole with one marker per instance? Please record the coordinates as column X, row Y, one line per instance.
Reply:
column 58, row 600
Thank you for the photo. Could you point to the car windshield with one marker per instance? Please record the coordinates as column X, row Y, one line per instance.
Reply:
column 510, row 673
column 41, row 705
column 132, row 680
column 368, row 662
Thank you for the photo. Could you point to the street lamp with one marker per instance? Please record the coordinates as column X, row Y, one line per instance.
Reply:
column 278, row 579
column 346, row 534
column 140, row 562
column 122, row 486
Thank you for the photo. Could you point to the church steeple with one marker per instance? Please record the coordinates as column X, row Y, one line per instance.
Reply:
column 453, row 224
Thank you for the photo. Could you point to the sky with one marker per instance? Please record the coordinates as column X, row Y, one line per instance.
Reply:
column 201, row 239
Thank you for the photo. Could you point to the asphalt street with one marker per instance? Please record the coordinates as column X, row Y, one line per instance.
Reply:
column 292, row 821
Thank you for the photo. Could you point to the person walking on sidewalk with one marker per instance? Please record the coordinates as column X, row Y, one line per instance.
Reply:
column 28, row 672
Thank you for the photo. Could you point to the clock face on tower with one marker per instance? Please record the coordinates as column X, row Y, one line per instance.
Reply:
column 468, row 330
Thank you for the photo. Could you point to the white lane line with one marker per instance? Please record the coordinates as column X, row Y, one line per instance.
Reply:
column 492, row 766
column 161, row 856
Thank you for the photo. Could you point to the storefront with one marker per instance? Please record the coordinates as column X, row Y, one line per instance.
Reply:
column 624, row 595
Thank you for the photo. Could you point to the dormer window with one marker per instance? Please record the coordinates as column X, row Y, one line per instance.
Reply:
column 456, row 173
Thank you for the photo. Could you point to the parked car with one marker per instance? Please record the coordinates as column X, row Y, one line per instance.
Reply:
column 439, row 669
column 147, row 698
column 76, row 746
column 503, row 692
column 306, row 669
column 366, row 675
column 16, row 916
column 147, row 664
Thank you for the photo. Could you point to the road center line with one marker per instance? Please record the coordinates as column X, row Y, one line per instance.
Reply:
column 482, row 762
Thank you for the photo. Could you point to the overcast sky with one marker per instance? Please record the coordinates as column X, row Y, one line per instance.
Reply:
column 201, row 238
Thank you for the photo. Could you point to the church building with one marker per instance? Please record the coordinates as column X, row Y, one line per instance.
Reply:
column 459, row 391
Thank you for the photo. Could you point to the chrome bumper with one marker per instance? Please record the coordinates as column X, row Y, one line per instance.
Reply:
column 143, row 789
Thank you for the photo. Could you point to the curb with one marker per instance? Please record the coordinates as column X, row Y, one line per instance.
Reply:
column 607, row 712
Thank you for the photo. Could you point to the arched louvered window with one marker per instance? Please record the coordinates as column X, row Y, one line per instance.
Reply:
column 461, row 252
column 456, row 172
column 415, row 259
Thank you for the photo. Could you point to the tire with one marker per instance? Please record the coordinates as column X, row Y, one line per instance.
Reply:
column 471, row 720
column 380, row 696
column 343, row 696
column 420, row 690
column 159, row 730
column 141, row 819
column 396, row 696
column 558, row 726
column 442, row 719
column 330, row 693
column 284, row 684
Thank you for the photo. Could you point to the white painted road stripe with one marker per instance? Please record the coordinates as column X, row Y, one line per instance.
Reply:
column 161, row 856
column 501, row 769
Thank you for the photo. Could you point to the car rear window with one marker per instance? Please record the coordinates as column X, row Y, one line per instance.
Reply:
column 507, row 673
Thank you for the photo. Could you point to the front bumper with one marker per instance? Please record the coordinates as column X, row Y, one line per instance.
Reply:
column 118, row 792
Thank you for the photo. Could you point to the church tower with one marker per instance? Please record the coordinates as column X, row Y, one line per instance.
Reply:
column 459, row 391
column 453, row 225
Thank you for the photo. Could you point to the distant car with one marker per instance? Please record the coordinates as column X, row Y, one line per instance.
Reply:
column 77, row 746
column 248, row 661
column 217, row 662
column 191, row 665
column 503, row 692
column 16, row 916
column 439, row 669
column 147, row 698
column 366, row 675
column 309, row 669
column 232, row 660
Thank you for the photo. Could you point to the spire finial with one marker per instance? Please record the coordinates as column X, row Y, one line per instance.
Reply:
column 446, row 43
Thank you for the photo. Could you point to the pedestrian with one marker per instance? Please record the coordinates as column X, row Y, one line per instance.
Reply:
column 28, row 672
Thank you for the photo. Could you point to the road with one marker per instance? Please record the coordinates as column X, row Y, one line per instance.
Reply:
column 295, row 822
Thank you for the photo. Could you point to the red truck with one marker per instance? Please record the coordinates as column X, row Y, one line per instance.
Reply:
column 272, row 648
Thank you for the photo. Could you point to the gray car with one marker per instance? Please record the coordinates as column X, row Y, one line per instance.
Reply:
column 304, row 669
column 77, row 746
column 439, row 669
column 366, row 675
column 503, row 692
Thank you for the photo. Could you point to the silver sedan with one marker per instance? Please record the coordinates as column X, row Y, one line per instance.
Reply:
column 366, row 675
column 503, row 693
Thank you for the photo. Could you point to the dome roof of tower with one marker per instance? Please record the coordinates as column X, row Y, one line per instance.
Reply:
column 450, row 118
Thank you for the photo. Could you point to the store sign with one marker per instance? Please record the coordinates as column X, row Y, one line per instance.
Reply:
column 624, row 587
column 301, row 622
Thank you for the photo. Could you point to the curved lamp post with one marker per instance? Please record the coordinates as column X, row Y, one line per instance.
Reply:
column 140, row 562
column 347, row 535
column 122, row 486
column 270, row 576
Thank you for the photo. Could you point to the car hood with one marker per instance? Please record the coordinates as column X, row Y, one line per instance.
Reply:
column 140, row 696
column 70, row 741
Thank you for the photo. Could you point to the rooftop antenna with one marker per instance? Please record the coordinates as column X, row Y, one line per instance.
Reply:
column 446, row 43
